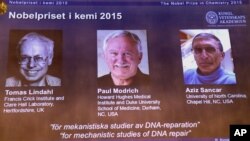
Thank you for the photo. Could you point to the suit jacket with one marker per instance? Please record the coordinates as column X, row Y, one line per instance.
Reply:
column 139, row 80
column 16, row 82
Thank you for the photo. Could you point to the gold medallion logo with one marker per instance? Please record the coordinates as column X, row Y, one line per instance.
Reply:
column 3, row 8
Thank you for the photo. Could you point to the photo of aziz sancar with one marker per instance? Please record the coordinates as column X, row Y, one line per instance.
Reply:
column 208, row 54
column 35, row 54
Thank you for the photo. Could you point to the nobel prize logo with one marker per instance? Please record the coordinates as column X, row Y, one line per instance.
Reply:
column 212, row 17
column 3, row 8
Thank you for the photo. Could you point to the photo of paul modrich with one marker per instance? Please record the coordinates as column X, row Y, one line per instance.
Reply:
column 205, row 59
column 34, row 53
column 122, row 58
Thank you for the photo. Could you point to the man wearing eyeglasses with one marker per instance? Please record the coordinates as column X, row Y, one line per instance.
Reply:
column 208, row 54
column 35, row 55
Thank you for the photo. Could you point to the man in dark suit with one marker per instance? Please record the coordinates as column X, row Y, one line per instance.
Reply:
column 35, row 55
column 123, row 53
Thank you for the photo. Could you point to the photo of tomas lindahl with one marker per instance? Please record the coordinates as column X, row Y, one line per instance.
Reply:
column 34, row 58
column 122, row 58
column 206, row 56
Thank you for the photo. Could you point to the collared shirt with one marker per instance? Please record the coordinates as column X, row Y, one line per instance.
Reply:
column 49, row 81
column 139, row 80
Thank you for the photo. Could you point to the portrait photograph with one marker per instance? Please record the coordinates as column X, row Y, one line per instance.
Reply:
column 34, row 58
column 207, row 56
column 122, row 58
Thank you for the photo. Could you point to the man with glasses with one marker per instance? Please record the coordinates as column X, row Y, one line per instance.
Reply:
column 208, row 54
column 35, row 55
